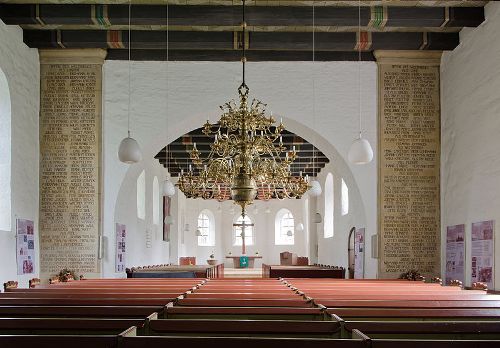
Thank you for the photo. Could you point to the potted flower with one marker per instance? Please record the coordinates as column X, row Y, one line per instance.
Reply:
column 212, row 261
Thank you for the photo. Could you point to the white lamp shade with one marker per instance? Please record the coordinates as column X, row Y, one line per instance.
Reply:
column 168, row 188
column 289, row 233
column 318, row 218
column 315, row 189
column 129, row 151
column 299, row 227
column 360, row 152
column 197, row 233
column 169, row 220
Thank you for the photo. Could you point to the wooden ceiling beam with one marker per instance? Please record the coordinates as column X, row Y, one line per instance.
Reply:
column 181, row 15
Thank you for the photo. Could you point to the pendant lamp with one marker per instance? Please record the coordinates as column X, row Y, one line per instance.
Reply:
column 315, row 189
column 299, row 227
column 361, row 151
column 169, row 220
column 129, row 150
column 317, row 218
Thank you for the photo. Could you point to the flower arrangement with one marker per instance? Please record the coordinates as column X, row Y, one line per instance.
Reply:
column 66, row 275
column 412, row 274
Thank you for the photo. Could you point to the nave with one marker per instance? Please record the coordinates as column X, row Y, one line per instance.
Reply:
column 294, row 312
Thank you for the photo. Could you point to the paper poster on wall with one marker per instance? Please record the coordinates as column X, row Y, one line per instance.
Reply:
column 482, row 252
column 121, row 236
column 455, row 253
column 25, row 232
column 166, row 212
column 359, row 253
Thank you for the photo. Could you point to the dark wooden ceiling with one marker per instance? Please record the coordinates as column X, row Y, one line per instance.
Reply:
column 208, row 30
column 309, row 159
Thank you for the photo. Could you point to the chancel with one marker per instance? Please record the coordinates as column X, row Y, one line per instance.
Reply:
column 252, row 173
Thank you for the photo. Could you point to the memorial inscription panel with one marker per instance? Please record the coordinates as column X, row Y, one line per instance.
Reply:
column 70, row 123
column 409, row 169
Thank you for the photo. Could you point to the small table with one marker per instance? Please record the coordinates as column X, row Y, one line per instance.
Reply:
column 251, row 260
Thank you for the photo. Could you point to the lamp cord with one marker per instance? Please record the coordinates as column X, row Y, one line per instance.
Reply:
column 243, row 24
column 129, row 54
column 167, row 103
column 313, row 82
column 359, row 66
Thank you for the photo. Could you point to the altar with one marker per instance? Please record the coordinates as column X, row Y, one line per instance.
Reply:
column 251, row 260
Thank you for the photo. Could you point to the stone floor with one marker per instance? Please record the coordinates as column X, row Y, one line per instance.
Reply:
column 242, row 272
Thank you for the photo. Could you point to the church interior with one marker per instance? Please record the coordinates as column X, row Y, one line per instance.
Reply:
column 307, row 173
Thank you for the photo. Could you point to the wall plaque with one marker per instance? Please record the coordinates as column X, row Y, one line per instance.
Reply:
column 70, row 151
column 409, row 162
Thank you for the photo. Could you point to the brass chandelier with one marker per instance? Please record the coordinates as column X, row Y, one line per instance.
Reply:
column 247, row 158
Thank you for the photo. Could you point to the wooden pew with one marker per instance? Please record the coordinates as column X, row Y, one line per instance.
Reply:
column 271, row 328
column 262, row 313
column 215, row 302
column 74, row 341
column 240, row 342
column 79, row 311
column 416, row 313
column 61, row 326
column 449, row 330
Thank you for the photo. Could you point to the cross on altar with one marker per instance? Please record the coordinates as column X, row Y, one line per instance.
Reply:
column 243, row 225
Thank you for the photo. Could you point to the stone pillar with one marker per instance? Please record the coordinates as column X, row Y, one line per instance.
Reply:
column 409, row 162
column 70, row 160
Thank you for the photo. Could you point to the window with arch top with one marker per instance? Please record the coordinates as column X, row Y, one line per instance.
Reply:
column 237, row 240
column 284, row 226
column 206, row 226
column 329, row 207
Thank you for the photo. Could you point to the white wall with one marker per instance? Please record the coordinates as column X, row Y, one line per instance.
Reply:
column 21, row 67
column 196, row 91
column 470, row 101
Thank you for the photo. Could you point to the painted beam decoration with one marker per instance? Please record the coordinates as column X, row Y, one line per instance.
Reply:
column 276, row 32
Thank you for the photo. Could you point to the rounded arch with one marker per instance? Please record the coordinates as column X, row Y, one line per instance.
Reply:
column 284, row 227
column 328, row 228
column 206, row 226
column 5, row 155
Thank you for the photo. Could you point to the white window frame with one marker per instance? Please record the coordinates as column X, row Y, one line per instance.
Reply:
column 344, row 198
column 141, row 195
column 206, row 224
column 328, row 225
column 283, row 223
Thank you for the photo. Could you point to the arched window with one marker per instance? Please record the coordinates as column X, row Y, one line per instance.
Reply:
column 156, row 201
column 284, row 226
column 345, row 198
column 5, row 154
column 141, row 196
column 329, row 207
column 248, row 231
column 206, row 226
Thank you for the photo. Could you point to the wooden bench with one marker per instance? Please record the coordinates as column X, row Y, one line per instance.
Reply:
column 267, row 313
column 449, row 330
column 240, row 342
column 80, row 311
column 214, row 302
column 226, row 327
column 415, row 313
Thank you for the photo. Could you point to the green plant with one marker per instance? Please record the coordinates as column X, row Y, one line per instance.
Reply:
column 412, row 274
column 67, row 275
